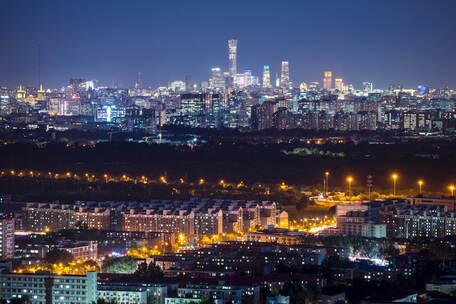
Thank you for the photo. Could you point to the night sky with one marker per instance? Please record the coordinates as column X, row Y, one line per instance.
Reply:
column 406, row 42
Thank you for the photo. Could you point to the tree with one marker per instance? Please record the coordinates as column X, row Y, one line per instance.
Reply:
column 148, row 272
column 206, row 300
column 119, row 265
column 58, row 256
column 91, row 263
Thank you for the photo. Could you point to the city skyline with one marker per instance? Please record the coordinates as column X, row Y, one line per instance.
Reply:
column 209, row 152
column 401, row 49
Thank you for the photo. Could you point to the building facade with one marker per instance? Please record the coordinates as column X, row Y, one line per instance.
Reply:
column 193, row 217
column 6, row 238
column 47, row 288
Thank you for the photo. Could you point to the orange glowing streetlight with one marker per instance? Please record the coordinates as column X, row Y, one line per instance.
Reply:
column 452, row 188
column 326, row 183
column 349, row 182
column 420, row 184
column 394, row 176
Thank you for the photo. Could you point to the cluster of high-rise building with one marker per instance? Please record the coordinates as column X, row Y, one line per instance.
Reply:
column 231, row 99
column 419, row 221
column 192, row 218
column 266, row 257
column 419, row 217
column 263, row 263
column 243, row 258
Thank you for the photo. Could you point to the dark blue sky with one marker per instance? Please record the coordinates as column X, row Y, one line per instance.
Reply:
column 405, row 42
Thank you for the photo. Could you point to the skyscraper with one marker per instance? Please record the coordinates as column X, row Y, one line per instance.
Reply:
column 339, row 84
column 266, row 77
column 285, row 75
column 232, row 55
column 368, row 86
column 327, row 80
column 277, row 81
column 217, row 81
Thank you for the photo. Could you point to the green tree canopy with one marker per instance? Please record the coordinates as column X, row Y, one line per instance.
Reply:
column 148, row 272
column 119, row 265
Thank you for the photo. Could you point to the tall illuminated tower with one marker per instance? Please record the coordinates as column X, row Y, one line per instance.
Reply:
column 232, row 55
column 266, row 77
column 285, row 75
column 339, row 84
column 327, row 80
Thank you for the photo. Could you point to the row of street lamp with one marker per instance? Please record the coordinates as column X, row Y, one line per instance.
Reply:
column 394, row 178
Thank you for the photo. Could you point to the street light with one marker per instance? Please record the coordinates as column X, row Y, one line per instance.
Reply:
column 325, row 183
column 452, row 187
column 420, row 184
column 349, row 181
column 394, row 177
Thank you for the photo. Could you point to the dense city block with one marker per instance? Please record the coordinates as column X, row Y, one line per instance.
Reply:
column 241, row 152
